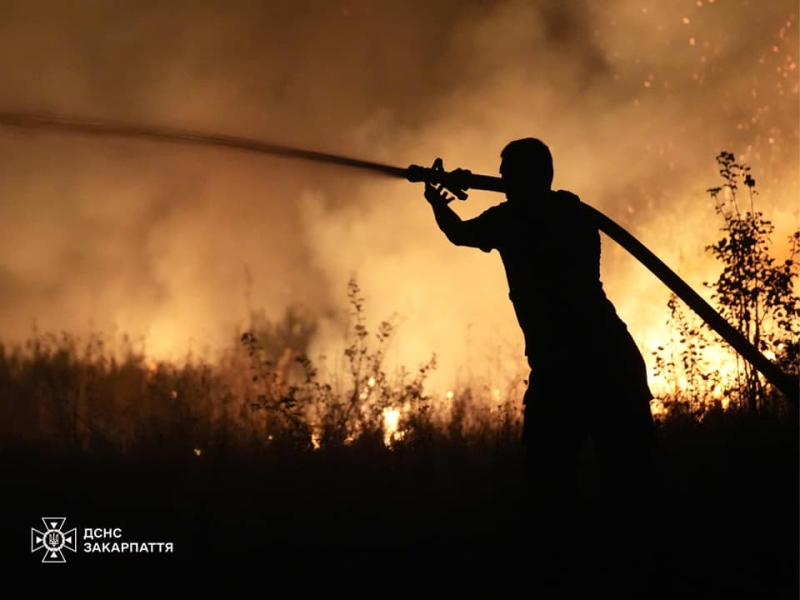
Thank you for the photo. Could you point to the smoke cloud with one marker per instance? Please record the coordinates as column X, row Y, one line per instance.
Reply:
column 176, row 243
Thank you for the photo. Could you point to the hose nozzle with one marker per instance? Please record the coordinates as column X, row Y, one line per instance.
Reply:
column 456, row 182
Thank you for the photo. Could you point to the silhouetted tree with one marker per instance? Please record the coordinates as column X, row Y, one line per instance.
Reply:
column 754, row 292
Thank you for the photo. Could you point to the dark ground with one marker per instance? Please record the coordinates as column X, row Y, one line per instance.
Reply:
column 725, row 523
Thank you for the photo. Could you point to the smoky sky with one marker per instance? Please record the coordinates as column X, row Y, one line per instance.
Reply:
column 635, row 100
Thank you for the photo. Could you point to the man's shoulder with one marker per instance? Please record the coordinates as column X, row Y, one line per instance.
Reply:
column 566, row 196
column 570, row 204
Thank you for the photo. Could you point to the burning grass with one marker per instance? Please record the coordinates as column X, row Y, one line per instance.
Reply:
column 264, row 393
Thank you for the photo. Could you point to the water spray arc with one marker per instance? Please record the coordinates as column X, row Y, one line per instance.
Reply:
column 457, row 182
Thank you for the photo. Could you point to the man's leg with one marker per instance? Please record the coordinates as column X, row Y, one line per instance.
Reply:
column 554, row 431
column 623, row 433
column 623, row 429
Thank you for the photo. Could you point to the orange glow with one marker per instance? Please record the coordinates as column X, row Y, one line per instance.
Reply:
column 178, row 244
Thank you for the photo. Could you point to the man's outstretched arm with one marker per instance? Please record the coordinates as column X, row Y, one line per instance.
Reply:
column 459, row 232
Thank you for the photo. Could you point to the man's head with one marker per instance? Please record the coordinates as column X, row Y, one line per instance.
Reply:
column 526, row 168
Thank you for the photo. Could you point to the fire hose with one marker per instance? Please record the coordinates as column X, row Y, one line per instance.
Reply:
column 457, row 182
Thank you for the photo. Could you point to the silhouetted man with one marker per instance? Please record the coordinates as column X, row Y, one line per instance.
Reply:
column 588, row 377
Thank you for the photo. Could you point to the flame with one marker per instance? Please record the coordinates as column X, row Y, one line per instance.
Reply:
column 391, row 424
column 657, row 408
column 151, row 368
